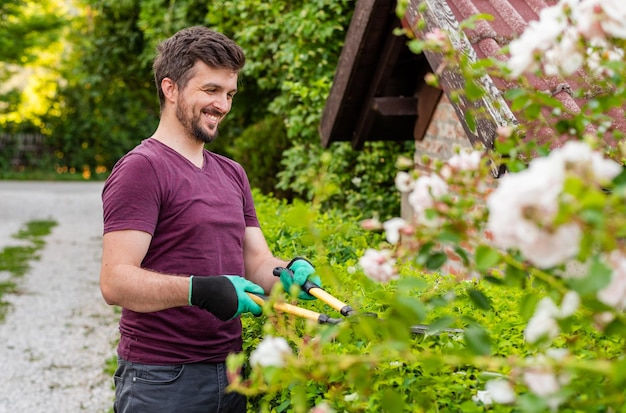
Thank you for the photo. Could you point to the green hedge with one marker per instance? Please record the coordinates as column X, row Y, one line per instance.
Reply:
column 374, row 363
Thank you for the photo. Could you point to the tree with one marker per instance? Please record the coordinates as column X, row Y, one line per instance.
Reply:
column 26, row 27
column 29, row 43
column 108, row 103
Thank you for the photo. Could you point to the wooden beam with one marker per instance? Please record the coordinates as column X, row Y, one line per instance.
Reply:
column 395, row 106
column 429, row 98
column 437, row 14
column 386, row 61
column 354, row 70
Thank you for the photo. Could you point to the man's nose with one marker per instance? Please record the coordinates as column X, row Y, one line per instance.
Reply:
column 222, row 103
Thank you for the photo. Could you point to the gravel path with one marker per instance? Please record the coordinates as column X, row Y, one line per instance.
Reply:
column 59, row 331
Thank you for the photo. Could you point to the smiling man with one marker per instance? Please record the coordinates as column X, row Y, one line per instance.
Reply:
column 182, row 245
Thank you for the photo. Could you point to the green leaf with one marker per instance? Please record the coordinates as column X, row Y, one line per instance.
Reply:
column 416, row 46
column 411, row 309
column 397, row 330
column 620, row 180
column 392, row 402
column 514, row 276
column 533, row 111
column 615, row 327
column 531, row 403
column 482, row 16
column 493, row 280
column 594, row 199
column 562, row 126
column 424, row 253
column 440, row 324
column 479, row 299
column 486, row 257
column 515, row 94
column 593, row 217
column 448, row 236
column 527, row 305
column 477, row 340
column 573, row 186
column 619, row 373
column 470, row 121
column 473, row 91
column 462, row 253
column 298, row 216
column 283, row 406
column 436, row 260
column 410, row 283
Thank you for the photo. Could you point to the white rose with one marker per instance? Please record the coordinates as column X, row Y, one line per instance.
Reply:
column 378, row 265
column 466, row 161
column 543, row 322
column 483, row 396
column 425, row 189
column 404, row 181
column 501, row 391
column 392, row 229
column 270, row 352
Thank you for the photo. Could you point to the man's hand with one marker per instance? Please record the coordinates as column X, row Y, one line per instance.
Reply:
column 298, row 271
column 225, row 295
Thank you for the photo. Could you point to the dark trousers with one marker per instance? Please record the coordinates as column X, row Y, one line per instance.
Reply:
column 184, row 388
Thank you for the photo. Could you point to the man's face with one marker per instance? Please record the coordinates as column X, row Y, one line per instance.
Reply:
column 205, row 100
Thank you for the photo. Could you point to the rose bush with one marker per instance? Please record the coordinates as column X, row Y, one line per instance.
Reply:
column 531, row 266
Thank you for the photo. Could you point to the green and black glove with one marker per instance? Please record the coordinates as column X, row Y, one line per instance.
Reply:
column 298, row 271
column 224, row 295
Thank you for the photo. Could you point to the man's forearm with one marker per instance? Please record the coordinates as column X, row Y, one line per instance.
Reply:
column 263, row 274
column 141, row 290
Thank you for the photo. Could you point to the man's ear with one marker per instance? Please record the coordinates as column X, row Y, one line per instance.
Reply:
column 170, row 90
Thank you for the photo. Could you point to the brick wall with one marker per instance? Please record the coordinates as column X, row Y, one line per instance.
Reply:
column 444, row 134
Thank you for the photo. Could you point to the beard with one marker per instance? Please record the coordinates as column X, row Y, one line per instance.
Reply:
column 200, row 133
column 193, row 124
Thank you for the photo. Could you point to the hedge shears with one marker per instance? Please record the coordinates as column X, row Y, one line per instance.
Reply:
column 345, row 309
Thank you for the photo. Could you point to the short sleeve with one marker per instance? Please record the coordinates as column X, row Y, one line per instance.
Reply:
column 131, row 196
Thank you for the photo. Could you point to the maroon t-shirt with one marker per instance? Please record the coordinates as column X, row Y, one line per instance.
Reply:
column 197, row 219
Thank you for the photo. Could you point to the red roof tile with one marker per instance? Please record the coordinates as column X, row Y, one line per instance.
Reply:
column 511, row 17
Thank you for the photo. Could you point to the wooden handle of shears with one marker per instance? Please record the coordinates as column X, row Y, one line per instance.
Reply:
column 326, row 297
column 294, row 310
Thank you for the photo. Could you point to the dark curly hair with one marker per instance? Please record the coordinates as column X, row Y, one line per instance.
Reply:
column 178, row 54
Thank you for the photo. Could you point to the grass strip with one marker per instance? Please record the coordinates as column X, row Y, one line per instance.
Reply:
column 16, row 259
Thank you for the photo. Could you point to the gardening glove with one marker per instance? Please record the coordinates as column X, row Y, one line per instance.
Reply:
column 298, row 271
column 225, row 295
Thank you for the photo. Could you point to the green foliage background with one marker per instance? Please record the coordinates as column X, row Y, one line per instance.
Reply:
column 23, row 32
column 106, row 102
column 27, row 30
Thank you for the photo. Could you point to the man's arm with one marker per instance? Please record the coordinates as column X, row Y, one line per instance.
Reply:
column 259, row 260
column 123, row 282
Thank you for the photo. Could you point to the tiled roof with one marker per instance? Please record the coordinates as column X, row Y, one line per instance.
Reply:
column 378, row 80
column 510, row 18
